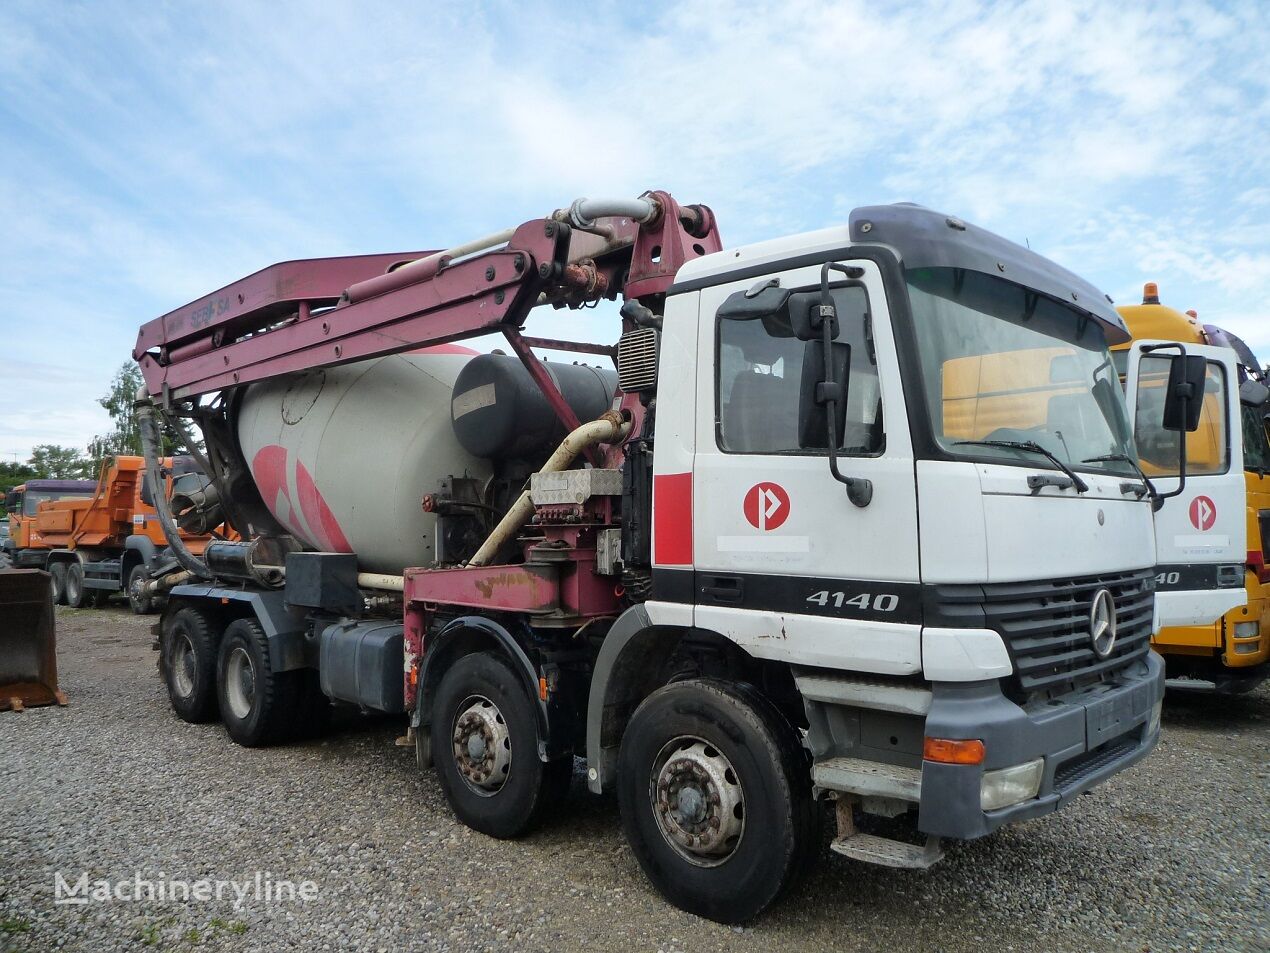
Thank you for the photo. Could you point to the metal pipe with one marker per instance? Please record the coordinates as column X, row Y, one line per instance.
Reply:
column 421, row 269
column 584, row 212
column 379, row 580
column 610, row 428
column 150, row 443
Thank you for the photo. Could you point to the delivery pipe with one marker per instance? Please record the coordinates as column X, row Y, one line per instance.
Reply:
column 610, row 428
column 150, row 442
column 584, row 212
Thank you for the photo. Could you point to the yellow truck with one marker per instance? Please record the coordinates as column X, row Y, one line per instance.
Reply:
column 1232, row 654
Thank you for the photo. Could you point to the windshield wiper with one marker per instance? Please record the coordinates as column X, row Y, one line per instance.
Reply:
column 1146, row 481
column 1031, row 446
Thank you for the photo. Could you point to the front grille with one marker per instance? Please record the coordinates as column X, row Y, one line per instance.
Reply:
column 1045, row 626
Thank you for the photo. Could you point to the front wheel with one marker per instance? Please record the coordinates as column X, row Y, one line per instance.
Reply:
column 485, row 747
column 58, row 573
column 139, row 599
column 715, row 798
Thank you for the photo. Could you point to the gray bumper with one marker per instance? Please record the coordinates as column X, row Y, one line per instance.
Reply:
column 1084, row 739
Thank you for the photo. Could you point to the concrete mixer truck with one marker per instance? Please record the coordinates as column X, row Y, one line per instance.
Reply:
column 856, row 517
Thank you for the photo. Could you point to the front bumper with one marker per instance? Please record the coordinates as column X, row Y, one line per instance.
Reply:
column 1084, row 738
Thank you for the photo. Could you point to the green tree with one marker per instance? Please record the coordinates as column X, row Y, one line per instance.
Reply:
column 125, row 437
column 51, row 462
column 13, row 474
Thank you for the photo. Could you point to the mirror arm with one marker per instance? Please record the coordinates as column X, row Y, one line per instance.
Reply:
column 859, row 489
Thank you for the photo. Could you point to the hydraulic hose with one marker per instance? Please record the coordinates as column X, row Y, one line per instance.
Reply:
column 608, row 429
column 150, row 443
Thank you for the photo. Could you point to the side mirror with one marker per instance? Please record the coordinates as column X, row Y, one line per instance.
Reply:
column 1253, row 393
column 758, row 302
column 1184, row 396
column 819, row 394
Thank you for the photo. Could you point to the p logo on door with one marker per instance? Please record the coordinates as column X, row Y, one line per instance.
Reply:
column 766, row 506
column 1203, row 513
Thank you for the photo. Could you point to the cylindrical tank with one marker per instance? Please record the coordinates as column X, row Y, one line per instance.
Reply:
column 500, row 413
column 344, row 455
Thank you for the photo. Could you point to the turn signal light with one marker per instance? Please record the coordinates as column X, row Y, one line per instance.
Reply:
column 948, row 751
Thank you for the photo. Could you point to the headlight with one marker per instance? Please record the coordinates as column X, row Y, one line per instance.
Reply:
column 1247, row 630
column 1153, row 725
column 1006, row 786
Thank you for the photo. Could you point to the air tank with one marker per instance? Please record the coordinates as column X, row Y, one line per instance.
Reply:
column 343, row 456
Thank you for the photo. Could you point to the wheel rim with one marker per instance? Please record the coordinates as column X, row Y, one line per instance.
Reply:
column 482, row 745
column 240, row 682
column 135, row 594
column 183, row 665
column 698, row 801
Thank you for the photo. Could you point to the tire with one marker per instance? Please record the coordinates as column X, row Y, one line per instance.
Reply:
column 731, row 746
column 58, row 572
column 257, row 705
column 142, row 602
column 510, row 789
column 187, row 661
column 76, row 594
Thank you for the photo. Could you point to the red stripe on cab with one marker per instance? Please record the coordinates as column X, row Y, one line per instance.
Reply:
column 672, row 519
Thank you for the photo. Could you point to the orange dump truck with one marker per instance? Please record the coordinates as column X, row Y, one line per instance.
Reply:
column 98, row 539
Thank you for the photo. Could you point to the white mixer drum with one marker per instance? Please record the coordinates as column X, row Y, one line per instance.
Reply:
column 343, row 456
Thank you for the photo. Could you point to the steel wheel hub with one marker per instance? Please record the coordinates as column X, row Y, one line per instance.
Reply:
column 240, row 679
column 183, row 665
column 482, row 745
column 698, row 801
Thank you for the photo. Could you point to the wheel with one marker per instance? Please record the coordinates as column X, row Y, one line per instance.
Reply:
column 141, row 601
column 76, row 596
column 258, row 706
column 485, row 747
column 187, row 661
column 58, row 572
column 715, row 798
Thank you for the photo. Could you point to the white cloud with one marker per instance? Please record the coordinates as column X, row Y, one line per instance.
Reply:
column 147, row 157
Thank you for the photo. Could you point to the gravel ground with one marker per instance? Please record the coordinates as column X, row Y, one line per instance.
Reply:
column 1172, row 855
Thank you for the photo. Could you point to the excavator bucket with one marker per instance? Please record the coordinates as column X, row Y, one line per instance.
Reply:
column 28, row 651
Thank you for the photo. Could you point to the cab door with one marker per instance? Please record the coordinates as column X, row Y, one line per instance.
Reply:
column 1201, row 533
column 785, row 563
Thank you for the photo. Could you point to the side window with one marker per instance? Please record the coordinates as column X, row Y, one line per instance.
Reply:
column 1207, row 449
column 759, row 384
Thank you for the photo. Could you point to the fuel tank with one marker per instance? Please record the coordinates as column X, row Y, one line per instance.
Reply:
column 343, row 456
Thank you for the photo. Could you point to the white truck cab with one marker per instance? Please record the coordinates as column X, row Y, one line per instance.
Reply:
column 965, row 586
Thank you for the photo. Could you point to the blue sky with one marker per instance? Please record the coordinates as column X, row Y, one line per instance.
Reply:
column 150, row 153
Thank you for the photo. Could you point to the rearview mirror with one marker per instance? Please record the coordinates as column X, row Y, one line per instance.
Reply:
column 1253, row 393
column 758, row 302
column 817, row 392
column 1184, row 396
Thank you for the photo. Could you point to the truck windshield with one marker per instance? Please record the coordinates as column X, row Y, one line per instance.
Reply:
column 33, row 498
column 1256, row 444
column 1003, row 363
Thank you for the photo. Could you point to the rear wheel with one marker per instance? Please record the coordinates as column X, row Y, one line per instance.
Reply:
column 258, row 705
column 716, row 798
column 141, row 601
column 187, row 660
column 485, row 747
column 58, row 573
column 75, row 592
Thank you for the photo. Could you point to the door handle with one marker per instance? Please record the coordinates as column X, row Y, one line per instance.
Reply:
column 729, row 589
